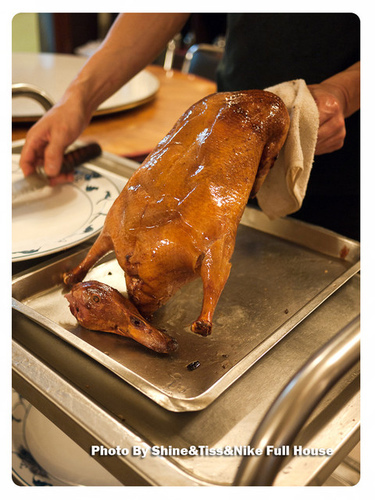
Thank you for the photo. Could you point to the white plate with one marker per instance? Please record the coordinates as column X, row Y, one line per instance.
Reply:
column 53, row 73
column 43, row 455
column 49, row 220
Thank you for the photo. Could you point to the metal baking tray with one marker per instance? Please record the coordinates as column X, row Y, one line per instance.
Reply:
column 281, row 271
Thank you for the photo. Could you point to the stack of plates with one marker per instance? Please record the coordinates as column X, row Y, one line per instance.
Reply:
column 43, row 455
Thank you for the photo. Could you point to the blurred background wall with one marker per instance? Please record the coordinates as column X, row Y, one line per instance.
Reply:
column 25, row 33
column 58, row 32
column 81, row 33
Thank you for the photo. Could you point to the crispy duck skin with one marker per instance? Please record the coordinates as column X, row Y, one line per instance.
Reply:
column 177, row 217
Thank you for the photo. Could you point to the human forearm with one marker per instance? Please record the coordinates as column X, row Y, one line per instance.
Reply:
column 133, row 42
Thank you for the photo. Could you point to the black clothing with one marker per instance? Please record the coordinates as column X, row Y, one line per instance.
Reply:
column 265, row 49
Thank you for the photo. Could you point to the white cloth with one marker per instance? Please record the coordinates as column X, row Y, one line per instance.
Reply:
column 284, row 188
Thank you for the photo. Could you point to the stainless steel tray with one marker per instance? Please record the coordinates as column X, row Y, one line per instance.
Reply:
column 281, row 271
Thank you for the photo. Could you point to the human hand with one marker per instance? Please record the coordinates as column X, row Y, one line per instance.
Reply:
column 331, row 104
column 48, row 138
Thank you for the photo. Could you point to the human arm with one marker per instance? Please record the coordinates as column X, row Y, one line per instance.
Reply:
column 133, row 42
column 337, row 98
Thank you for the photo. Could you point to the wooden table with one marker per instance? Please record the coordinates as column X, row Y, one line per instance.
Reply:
column 135, row 132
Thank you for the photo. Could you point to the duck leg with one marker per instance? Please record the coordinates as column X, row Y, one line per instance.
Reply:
column 102, row 245
column 214, row 271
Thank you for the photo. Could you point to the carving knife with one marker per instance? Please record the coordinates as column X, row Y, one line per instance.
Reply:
column 71, row 160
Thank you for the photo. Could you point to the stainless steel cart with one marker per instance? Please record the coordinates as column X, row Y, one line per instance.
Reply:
column 280, row 372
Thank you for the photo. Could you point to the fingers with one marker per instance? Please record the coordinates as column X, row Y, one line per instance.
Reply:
column 332, row 132
column 47, row 140
column 61, row 179
column 50, row 155
column 32, row 155
column 39, row 152
column 331, row 135
column 53, row 156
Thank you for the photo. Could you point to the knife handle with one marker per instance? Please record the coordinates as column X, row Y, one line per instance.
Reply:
column 76, row 157
column 80, row 155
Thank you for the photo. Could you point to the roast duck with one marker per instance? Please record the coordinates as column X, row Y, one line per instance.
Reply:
column 177, row 217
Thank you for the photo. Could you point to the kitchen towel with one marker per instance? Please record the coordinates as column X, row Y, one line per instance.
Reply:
column 284, row 188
